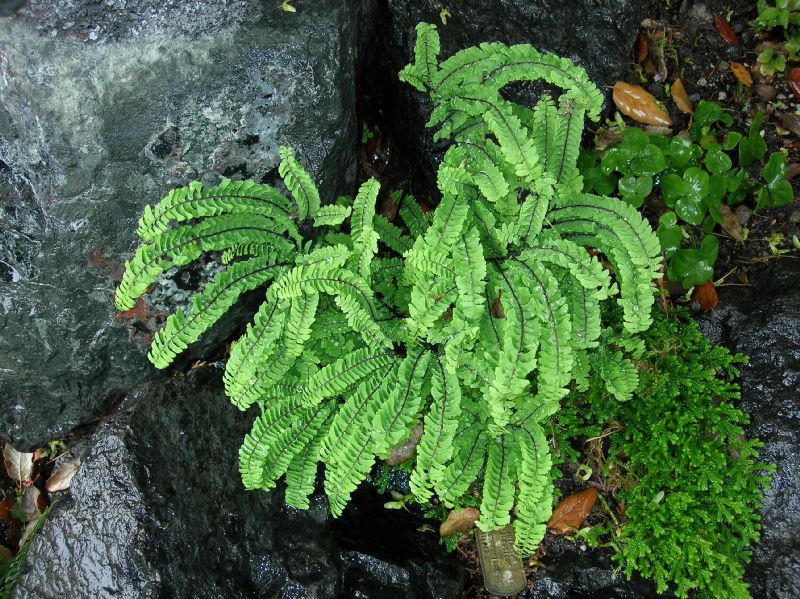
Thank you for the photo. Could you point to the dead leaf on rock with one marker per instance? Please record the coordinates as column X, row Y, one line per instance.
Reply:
column 62, row 475
column 459, row 521
column 636, row 102
column 681, row 99
column 725, row 31
column 706, row 296
column 405, row 451
column 572, row 511
column 19, row 466
column 33, row 503
column 742, row 73
column 731, row 224
column 789, row 121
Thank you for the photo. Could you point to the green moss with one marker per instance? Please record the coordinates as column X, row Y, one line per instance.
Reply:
column 676, row 458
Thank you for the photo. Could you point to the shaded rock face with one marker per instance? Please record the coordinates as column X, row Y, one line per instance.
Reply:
column 763, row 322
column 103, row 108
column 596, row 34
column 158, row 509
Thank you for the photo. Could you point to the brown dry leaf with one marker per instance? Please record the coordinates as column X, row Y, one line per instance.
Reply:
column 6, row 555
column 636, row 102
column 725, row 31
column 459, row 521
column 572, row 511
column 26, row 533
column 706, row 296
column 497, row 306
column 789, row 121
column 406, row 450
column 731, row 224
column 792, row 170
column 742, row 73
column 681, row 99
column 641, row 51
column 32, row 501
column 19, row 466
column 62, row 475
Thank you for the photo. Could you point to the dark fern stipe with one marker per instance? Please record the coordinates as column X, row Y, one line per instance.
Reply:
column 363, row 335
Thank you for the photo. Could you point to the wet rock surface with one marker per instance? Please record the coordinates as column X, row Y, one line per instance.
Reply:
column 158, row 509
column 596, row 34
column 763, row 322
column 103, row 108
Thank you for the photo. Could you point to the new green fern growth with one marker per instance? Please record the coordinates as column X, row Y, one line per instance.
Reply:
column 474, row 322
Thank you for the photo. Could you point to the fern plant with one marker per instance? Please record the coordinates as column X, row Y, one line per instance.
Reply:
column 474, row 322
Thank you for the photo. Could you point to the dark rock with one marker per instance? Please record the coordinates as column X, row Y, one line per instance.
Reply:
column 596, row 34
column 103, row 108
column 573, row 570
column 763, row 322
column 158, row 510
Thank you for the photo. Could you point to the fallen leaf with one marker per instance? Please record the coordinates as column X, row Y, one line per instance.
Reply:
column 29, row 528
column 572, row 511
column 678, row 93
column 636, row 102
column 459, row 521
column 32, row 503
column 792, row 170
column 19, row 466
column 725, row 31
column 793, row 81
column 640, row 54
column 62, row 475
column 5, row 509
column 731, row 224
column 742, row 73
column 497, row 306
column 403, row 452
column 789, row 121
column 706, row 296
column 6, row 555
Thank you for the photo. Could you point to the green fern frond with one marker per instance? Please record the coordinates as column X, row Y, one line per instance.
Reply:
column 422, row 72
column 182, row 329
column 331, row 215
column 618, row 373
column 498, row 483
column 413, row 217
column 469, row 454
column 299, row 183
column 440, row 423
column 535, row 494
column 179, row 247
column 229, row 197
column 391, row 235
column 400, row 412
column 364, row 236
column 301, row 473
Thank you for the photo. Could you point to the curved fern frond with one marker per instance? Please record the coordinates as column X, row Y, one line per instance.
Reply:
column 229, row 197
column 400, row 412
column 617, row 372
column 299, row 183
column 440, row 423
column 179, row 247
column 422, row 71
column 391, row 235
column 301, row 473
column 469, row 454
column 260, row 380
column 535, row 495
column 365, row 239
column 183, row 329
column 499, row 483
column 331, row 215
column 335, row 378
column 248, row 353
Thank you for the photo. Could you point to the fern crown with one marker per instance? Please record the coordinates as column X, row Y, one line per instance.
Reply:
column 475, row 320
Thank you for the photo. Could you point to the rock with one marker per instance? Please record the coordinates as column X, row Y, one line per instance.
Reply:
column 105, row 107
column 597, row 34
column 158, row 510
column 763, row 322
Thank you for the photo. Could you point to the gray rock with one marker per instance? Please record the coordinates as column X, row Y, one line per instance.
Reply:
column 104, row 106
column 596, row 34
column 763, row 322
column 158, row 510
